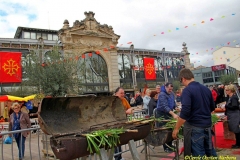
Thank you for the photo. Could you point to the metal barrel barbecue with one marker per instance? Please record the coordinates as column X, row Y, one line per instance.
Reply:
column 67, row 119
column 159, row 136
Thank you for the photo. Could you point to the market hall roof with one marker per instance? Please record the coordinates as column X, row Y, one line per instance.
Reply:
column 20, row 29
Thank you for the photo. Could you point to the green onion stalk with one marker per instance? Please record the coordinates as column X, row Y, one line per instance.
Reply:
column 103, row 138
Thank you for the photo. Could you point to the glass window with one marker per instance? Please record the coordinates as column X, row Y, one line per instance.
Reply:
column 33, row 35
column 92, row 69
column 44, row 36
column 208, row 74
column 224, row 52
column 55, row 37
column 50, row 37
column 38, row 35
column 26, row 34
column 228, row 60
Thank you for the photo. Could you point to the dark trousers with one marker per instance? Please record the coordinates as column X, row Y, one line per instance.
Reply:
column 21, row 145
column 117, row 150
column 160, row 124
column 237, row 136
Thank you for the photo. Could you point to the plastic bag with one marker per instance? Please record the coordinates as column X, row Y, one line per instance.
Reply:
column 29, row 105
column 8, row 140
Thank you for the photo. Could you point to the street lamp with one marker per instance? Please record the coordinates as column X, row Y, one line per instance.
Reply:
column 164, row 63
column 132, row 65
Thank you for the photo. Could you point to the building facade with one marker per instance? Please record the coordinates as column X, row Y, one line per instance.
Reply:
column 107, row 66
column 209, row 76
column 227, row 55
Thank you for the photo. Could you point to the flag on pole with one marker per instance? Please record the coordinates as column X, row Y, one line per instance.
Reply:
column 10, row 67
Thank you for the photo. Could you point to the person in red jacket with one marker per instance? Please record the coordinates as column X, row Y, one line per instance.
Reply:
column 214, row 94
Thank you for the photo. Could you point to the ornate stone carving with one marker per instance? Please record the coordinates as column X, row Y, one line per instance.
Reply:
column 91, row 43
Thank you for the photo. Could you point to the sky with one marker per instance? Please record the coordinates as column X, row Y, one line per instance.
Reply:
column 205, row 25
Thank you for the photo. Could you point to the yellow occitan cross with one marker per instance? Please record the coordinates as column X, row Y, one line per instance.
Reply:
column 11, row 67
column 149, row 68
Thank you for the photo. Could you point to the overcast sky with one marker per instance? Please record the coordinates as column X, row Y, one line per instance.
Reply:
column 141, row 22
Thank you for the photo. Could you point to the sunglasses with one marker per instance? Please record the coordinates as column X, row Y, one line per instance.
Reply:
column 180, row 80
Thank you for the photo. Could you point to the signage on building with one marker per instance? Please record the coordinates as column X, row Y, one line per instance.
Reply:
column 219, row 67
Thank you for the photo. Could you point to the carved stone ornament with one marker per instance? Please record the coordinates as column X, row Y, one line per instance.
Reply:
column 88, row 33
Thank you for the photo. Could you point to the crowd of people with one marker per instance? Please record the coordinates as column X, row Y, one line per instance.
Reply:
column 195, row 104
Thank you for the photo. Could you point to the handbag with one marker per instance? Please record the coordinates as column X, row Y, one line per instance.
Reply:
column 8, row 140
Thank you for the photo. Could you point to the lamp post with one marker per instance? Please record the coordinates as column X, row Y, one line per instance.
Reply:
column 40, row 51
column 132, row 65
column 165, row 68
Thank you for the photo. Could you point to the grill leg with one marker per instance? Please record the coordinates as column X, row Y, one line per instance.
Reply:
column 133, row 150
column 103, row 154
column 176, row 149
column 110, row 153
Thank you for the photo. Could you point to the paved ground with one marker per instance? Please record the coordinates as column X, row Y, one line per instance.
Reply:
column 156, row 153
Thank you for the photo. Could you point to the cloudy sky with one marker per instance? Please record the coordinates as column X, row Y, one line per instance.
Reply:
column 202, row 24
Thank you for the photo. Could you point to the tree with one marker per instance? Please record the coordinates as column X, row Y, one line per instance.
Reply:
column 226, row 79
column 176, row 85
column 54, row 75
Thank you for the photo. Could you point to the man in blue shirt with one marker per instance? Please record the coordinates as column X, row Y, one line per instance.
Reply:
column 197, row 105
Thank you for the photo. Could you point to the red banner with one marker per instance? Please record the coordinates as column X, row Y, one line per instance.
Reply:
column 10, row 67
column 218, row 67
column 149, row 68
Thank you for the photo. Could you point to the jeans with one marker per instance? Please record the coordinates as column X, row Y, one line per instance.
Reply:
column 117, row 150
column 21, row 145
column 202, row 145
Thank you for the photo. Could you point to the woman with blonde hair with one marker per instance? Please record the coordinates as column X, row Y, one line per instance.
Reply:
column 19, row 120
column 146, row 100
column 232, row 113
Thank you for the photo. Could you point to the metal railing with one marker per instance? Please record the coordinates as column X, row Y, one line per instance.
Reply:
column 37, row 146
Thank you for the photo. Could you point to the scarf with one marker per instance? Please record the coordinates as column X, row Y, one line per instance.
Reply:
column 16, row 123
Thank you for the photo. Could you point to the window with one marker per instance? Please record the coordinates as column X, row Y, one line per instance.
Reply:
column 197, row 74
column 33, row 35
column 38, row 35
column 219, row 73
column 26, row 34
column 44, row 36
column 224, row 52
column 207, row 74
column 207, row 80
column 228, row 59
column 55, row 37
column 50, row 37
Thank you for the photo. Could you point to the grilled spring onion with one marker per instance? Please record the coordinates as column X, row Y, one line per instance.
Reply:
column 103, row 138
column 171, row 124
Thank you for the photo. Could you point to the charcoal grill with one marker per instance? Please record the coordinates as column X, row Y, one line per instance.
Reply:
column 159, row 136
column 67, row 119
